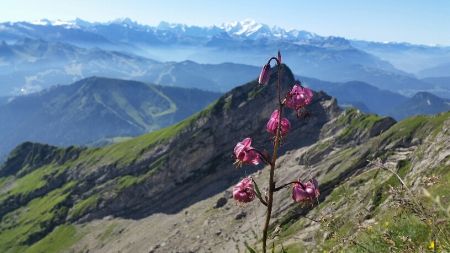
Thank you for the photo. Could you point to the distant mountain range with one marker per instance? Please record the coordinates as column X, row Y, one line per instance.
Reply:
column 422, row 103
column 31, row 65
column 408, row 57
column 327, row 58
column 95, row 111
column 440, row 70
column 361, row 95
column 371, row 99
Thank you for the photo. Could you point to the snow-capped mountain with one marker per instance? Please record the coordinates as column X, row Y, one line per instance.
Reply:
column 254, row 30
column 246, row 42
column 247, row 28
column 238, row 29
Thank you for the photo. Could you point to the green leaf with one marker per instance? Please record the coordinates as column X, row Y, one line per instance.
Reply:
column 258, row 193
column 249, row 248
column 282, row 249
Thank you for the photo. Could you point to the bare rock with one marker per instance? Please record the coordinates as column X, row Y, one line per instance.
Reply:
column 221, row 202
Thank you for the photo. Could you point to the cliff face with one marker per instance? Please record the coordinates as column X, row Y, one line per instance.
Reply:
column 170, row 190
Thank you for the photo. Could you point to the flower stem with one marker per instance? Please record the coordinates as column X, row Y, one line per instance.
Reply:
column 272, row 164
column 284, row 185
column 258, row 193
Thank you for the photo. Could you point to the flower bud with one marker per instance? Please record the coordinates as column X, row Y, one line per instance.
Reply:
column 264, row 76
column 279, row 57
column 244, row 192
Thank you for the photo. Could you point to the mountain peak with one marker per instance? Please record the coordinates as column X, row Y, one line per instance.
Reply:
column 126, row 22
column 42, row 21
column 421, row 103
column 245, row 28
column 82, row 23
column 163, row 25
column 56, row 22
column 253, row 29
column 424, row 94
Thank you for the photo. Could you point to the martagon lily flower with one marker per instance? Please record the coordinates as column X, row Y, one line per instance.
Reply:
column 244, row 191
column 298, row 97
column 245, row 153
column 264, row 76
column 272, row 124
column 305, row 192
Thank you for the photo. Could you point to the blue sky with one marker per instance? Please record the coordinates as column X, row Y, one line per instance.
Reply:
column 415, row 21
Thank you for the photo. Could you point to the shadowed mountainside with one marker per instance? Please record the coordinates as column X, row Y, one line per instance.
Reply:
column 95, row 110
column 422, row 103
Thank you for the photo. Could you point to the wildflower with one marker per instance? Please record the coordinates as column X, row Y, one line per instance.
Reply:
column 431, row 245
column 272, row 124
column 245, row 153
column 298, row 97
column 244, row 191
column 299, row 192
column 264, row 76
column 304, row 192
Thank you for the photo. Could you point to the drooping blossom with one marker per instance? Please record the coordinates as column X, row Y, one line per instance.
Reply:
column 245, row 153
column 298, row 97
column 305, row 192
column 264, row 76
column 272, row 124
column 244, row 191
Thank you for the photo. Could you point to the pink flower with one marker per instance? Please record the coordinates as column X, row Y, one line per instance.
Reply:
column 264, row 76
column 245, row 153
column 243, row 191
column 305, row 192
column 298, row 97
column 272, row 124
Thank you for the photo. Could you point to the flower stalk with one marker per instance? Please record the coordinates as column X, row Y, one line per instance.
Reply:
column 246, row 190
column 274, row 160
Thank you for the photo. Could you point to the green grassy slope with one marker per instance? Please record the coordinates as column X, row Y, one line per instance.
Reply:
column 365, row 208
